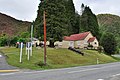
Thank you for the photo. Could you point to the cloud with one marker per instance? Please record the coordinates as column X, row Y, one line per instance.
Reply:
column 27, row 9
column 100, row 6
column 20, row 9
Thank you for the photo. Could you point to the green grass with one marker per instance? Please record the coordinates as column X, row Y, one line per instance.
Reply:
column 56, row 58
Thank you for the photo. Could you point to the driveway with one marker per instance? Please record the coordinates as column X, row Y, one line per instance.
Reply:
column 4, row 65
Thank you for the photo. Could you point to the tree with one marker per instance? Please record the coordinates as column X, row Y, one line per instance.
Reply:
column 3, row 41
column 82, row 9
column 77, row 23
column 109, row 43
column 72, row 17
column 14, row 40
column 88, row 22
column 55, row 18
column 24, row 37
column 110, row 23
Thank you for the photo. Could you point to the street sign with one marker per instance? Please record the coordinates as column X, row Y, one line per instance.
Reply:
column 29, row 49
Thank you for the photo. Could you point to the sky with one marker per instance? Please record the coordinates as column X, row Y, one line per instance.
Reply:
column 26, row 10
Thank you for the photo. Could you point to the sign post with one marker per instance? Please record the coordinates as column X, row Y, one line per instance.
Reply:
column 28, row 49
column 21, row 46
column 31, row 39
column 97, row 60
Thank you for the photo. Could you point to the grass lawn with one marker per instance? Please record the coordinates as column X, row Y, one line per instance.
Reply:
column 56, row 58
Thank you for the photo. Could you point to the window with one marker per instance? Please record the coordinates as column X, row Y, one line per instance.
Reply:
column 96, row 43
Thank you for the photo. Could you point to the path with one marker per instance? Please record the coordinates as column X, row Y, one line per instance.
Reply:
column 4, row 67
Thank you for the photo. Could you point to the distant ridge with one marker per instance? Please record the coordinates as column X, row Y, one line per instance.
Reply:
column 109, row 23
column 11, row 26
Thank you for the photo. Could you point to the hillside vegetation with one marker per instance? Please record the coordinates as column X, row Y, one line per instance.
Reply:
column 56, row 58
column 11, row 27
column 110, row 23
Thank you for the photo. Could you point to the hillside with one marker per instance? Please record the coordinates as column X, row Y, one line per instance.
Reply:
column 12, row 26
column 56, row 58
column 110, row 23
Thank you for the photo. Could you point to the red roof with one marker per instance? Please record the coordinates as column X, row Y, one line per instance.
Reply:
column 92, row 39
column 76, row 37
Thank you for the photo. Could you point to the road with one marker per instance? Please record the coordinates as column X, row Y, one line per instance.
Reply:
column 4, row 65
column 109, row 71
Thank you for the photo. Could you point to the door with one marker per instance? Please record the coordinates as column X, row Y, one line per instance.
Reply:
column 71, row 44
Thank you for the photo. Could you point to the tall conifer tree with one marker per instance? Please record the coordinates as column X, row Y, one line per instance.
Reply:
column 72, row 17
column 88, row 22
column 55, row 18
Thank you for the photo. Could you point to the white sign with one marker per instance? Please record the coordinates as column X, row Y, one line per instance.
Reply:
column 29, row 49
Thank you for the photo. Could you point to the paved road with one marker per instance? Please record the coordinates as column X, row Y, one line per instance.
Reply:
column 3, row 63
column 109, row 71
column 116, row 55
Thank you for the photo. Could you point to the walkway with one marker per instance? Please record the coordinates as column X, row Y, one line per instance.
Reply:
column 4, row 67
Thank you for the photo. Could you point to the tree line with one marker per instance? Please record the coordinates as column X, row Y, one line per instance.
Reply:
column 63, row 20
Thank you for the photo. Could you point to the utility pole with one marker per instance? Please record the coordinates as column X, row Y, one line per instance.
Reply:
column 45, row 55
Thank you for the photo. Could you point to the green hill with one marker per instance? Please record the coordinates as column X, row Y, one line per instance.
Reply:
column 110, row 23
column 56, row 58
column 11, row 26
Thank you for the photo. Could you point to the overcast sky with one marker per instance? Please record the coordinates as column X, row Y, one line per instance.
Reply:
column 27, row 9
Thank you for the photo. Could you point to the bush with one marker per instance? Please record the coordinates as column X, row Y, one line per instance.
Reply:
column 3, row 41
column 100, row 49
column 109, row 43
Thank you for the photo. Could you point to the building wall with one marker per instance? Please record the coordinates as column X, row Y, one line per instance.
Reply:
column 78, row 44
column 88, row 37
column 63, row 44
column 95, row 44
column 83, row 43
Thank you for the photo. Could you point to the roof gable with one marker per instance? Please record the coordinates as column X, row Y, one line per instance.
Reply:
column 76, row 37
column 91, row 39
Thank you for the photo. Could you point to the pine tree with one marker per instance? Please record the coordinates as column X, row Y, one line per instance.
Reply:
column 82, row 9
column 108, row 41
column 72, row 17
column 88, row 22
column 55, row 18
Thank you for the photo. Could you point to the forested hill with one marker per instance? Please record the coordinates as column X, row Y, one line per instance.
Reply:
column 109, row 23
column 10, row 26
